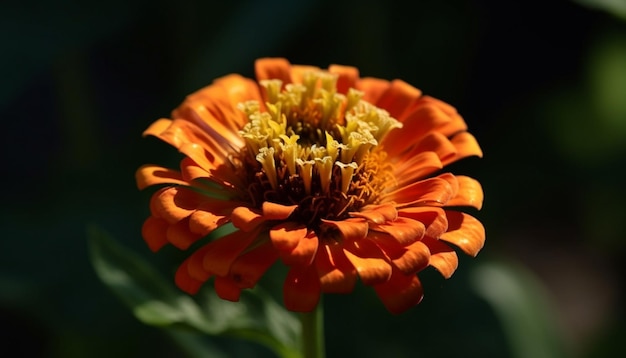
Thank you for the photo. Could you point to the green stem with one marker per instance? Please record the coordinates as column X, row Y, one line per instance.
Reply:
column 313, row 333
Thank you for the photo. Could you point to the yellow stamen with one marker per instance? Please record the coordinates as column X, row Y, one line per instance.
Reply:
column 266, row 158
column 290, row 151
column 272, row 88
column 332, row 146
column 306, row 130
column 347, row 171
column 324, row 167
column 306, row 173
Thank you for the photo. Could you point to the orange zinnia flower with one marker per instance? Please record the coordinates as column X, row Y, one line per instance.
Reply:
column 335, row 175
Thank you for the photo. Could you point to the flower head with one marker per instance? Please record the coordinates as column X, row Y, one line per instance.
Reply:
column 337, row 176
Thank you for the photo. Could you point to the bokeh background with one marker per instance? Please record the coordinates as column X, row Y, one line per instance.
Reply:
column 542, row 85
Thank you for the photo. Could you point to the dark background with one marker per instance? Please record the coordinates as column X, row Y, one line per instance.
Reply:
column 542, row 85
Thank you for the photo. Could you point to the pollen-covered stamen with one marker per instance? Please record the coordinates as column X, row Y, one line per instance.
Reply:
column 314, row 148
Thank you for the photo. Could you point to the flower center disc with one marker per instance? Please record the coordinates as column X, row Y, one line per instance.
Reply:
column 315, row 148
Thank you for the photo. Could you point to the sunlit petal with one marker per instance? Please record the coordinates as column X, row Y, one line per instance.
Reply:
column 148, row 175
column 433, row 191
column 465, row 232
column 369, row 261
column 377, row 214
column 246, row 219
column 442, row 256
column 273, row 211
column 336, row 273
column 349, row 229
column 273, row 68
column 433, row 218
column 287, row 235
column 470, row 193
column 404, row 230
column 304, row 253
column 398, row 97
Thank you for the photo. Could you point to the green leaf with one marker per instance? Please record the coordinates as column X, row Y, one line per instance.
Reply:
column 155, row 301
column 523, row 308
column 256, row 317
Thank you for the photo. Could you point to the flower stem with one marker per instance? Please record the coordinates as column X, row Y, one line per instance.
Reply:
column 313, row 333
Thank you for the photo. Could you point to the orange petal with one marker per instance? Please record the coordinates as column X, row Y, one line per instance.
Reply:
column 438, row 143
column 336, row 273
column 174, row 204
column 225, row 250
column 465, row 232
column 404, row 230
column 273, row 211
column 249, row 267
column 148, row 175
column 202, row 158
column 304, row 253
column 432, row 191
column 400, row 293
column 222, row 175
column 470, row 193
column 227, row 289
column 350, row 229
column 195, row 267
column 373, row 88
column 452, row 180
column 203, row 222
column 465, row 145
column 179, row 235
column 414, row 258
column 157, row 127
column 455, row 122
column 214, row 108
column 413, row 167
column 397, row 98
column 302, row 290
column 369, row 261
column 348, row 77
column 423, row 118
column 287, row 235
column 408, row 259
column 183, row 134
column 245, row 218
column 190, row 170
column 434, row 219
column 442, row 256
column 378, row 214
column 153, row 233
column 190, row 275
column 273, row 68
column 185, row 282
column 218, row 103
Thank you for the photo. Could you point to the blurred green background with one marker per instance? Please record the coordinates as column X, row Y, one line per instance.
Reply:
column 542, row 85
